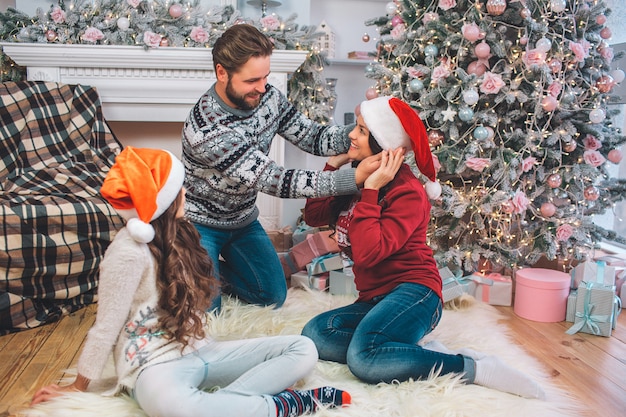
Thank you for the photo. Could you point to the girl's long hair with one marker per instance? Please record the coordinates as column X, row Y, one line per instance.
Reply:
column 185, row 278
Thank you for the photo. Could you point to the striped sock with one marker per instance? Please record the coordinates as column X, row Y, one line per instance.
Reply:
column 291, row 403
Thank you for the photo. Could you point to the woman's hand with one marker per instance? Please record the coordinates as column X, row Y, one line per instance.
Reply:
column 51, row 391
column 338, row 161
column 390, row 163
column 366, row 167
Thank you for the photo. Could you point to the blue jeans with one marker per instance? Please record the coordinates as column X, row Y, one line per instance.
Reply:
column 248, row 372
column 378, row 339
column 250, row 269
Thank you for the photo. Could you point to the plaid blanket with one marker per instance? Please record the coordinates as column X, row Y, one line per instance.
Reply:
column 55, row 150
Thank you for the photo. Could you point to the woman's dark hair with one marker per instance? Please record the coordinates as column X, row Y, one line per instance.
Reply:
column 342, row 202
column 185, row 279
column 237, row 45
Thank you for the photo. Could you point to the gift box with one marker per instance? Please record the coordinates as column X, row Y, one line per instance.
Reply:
column 289, row 264
column 453, row 286
column 315, row 245
column 303, row 230
column 304, row 280
column 570, row 314
column 541, row 294
column 593, row 271
column 282, row 239
column 595, row 310
column 494, row 289
column 342, row 283
column 325, row 263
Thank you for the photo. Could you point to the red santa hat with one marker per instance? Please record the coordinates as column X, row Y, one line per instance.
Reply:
column 394, row 124
column 141, row 185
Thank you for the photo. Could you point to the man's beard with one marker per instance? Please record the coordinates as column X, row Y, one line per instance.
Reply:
column 240, row 101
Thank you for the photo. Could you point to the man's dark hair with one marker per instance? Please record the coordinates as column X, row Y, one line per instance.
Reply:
column 237, row 45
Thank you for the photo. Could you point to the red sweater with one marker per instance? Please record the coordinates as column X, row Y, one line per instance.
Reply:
column 387, row 238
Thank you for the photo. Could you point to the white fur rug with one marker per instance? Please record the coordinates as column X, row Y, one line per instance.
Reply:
column 468, row 323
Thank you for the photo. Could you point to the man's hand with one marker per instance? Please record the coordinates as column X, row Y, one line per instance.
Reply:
column 338, row 161
column 390, row 163
column 366, row 167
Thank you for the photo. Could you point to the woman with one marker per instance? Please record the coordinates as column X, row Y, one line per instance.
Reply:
column 383, row 230
column 156, row 282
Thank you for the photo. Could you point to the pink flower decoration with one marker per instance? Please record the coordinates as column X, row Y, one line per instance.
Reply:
column 199, row 34
column 564, row 232
column 398, row 31
column 270, row 22
column 555, row 89
column 534, row 57
column 607, row 53
column 520, row 202
column 430, row 17
column 446, row 4
column 440, row 72
column 92, row 35
column 477, row 164
column 133, row 3
column 528, row 163
column 57, row 14
column 594, row 158
column 492, row 83
column 579, row 50
column 591, row 143
column 152, row 39
column 414, row 73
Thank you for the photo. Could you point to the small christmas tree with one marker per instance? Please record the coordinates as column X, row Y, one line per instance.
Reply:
column 515, row 98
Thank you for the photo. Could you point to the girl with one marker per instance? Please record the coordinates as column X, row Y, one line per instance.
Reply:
column 156, row 282
column 383, row 230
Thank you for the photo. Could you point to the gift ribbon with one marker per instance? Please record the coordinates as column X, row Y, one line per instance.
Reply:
column 588, row 319
column 494, row 276
column 319, row 263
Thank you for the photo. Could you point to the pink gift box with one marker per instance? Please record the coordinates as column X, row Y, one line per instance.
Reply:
column 313, row 246
column 541, row 294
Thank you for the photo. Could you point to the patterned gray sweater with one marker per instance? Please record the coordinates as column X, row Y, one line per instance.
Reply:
column 225, row 153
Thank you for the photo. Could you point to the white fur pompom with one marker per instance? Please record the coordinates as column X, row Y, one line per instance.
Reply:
column 433, row 189
column 140, row 231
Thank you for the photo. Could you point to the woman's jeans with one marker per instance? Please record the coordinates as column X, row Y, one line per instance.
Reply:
column 250, row 268
column 378, row 339
column 247, row 372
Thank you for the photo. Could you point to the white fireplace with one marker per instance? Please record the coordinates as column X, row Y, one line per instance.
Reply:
column 153, row 85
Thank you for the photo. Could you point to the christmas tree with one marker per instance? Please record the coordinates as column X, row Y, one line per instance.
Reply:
column 515, row 96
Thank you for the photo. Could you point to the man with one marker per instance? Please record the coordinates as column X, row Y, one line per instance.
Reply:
column 226, row 140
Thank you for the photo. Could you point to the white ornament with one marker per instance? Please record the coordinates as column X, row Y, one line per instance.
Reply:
column 470, row 97
column 391, row 8
column 448, row 114
column 558, row 5
column 597, row 116
column 123, row 23
column 618, row 75
column 544, row 44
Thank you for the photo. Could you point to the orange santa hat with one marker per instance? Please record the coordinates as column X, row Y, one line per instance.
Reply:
column 141, row 185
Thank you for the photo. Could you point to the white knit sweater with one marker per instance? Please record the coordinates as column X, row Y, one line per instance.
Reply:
column 127, row 318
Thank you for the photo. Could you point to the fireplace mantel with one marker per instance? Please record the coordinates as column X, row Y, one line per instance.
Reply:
column 153, row 85
column 136, row 84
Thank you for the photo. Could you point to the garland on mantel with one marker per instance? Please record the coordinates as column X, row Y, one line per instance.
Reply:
column 167, row 23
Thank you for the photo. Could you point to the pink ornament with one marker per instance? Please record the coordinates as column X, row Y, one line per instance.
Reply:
column 371, row 93
column 570, row 146
column 606, row 33
column 525, row 13
column 549, row 103
column 615, row 156
column 396, row 20
column 523, row 40
column 482, row 50
column 51, row 35
column 496, row 7
column 476, row 68
column 600, row 19
column 591, row 193
column 605, row 84
column 554, row 181
column 176, row 10
column 555, row 65
column 548, row 209
column 471, row 32
column 435, row 137
column 164, row 42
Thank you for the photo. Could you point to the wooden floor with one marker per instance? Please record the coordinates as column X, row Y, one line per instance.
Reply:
column 592, row 368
